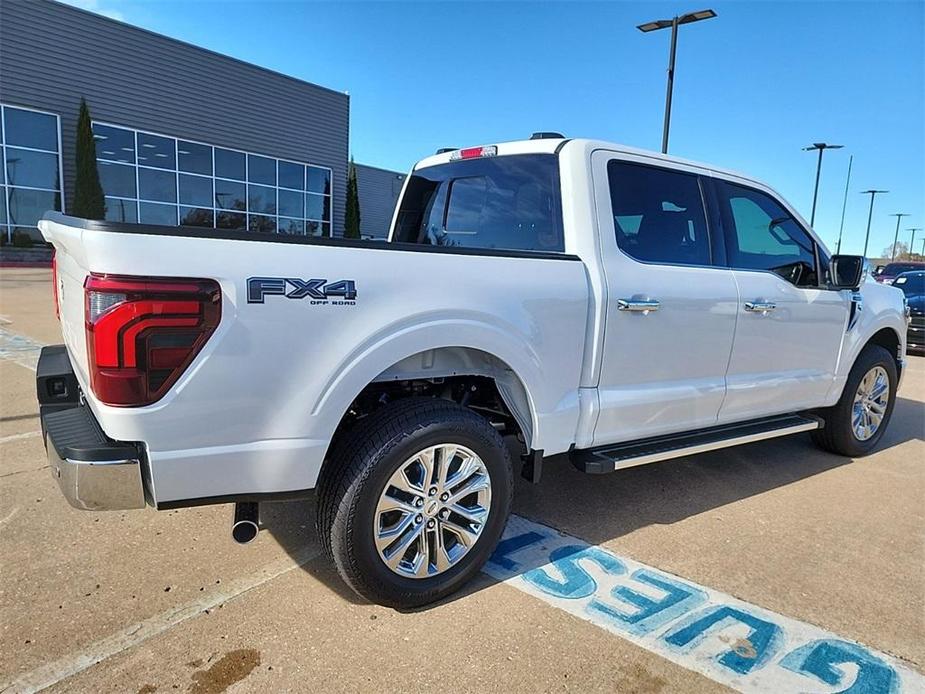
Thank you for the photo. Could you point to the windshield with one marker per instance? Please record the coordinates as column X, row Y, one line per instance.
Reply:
column 507, row 202
column 912, row 284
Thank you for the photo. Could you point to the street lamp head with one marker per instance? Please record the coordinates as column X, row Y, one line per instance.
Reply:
column 899, row 214
column 821, row 145
column 873, row 192
column 657, row 24
column 683, row 19
column 696, row 16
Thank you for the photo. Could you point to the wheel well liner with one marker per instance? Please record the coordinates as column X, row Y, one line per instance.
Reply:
column 448, row 362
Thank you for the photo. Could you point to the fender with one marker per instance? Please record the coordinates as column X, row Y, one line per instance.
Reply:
column 397, row 342
column 881, row 308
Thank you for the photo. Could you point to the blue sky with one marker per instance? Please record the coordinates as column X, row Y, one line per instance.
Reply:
column 752, row 87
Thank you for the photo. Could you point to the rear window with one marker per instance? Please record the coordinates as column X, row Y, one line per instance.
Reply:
column 509, row 203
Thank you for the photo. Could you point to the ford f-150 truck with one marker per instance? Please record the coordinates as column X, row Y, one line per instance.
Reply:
column 577, row 299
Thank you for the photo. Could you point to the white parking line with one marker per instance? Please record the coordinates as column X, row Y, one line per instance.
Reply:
column 17, row 437
column 728, row 640
column 68, row 666
column 19, row 349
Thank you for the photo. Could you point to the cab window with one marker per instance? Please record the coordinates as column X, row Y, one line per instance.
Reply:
column 508, row 202
column 658, row 214
column 762, row 235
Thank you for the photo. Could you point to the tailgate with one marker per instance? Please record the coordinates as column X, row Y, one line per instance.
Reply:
column 71, row 270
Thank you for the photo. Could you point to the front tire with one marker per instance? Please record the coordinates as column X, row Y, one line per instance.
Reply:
column 854, row 426
column 413, row 500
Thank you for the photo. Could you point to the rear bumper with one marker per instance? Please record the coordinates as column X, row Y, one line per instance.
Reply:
column 94, row 472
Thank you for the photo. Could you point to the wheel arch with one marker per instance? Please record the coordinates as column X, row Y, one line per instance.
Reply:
column 432, row 352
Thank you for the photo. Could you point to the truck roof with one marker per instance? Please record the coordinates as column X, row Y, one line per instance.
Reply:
column 554, row 145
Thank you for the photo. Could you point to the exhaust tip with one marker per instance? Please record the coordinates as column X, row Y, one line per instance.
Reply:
column 246, row 523
column 244, row 532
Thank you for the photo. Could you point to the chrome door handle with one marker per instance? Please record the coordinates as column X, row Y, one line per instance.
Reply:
column 760, row 306
column 640, row 305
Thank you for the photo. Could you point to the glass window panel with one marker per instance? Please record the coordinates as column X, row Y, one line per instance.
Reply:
column 261, row 170
column 28, row 206
column 121, row 210
column 30, row 232
column 319, row 180
column 261, row 224
column 230, row 195
column 291, row 175
column 117, row 179
column 763, row 235
column 658, row 214
column 30, row 129
column 196, row 217
column 195, row 190
column 114, row 144
column 291, row 226
column 194, row 157
column 230, row 164
column 2, row 207
column 290, row 203
column 154, row 150
column 261, row 199
column 157, row 185
column 326, row 212
column 34, row 169
column 2, row 174
column 317, row 228
column 314, row 206
column 154, row 213
column 231, row 220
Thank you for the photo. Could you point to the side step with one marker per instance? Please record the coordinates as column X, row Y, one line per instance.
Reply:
column 621, row 455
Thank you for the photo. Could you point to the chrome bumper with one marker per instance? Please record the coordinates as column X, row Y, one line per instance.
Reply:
column 97, row 485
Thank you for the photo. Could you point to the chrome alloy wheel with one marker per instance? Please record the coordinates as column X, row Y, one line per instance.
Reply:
column 870, row 403
column 432, row 511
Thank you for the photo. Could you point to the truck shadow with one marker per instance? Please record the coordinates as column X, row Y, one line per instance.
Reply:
column 601, row 508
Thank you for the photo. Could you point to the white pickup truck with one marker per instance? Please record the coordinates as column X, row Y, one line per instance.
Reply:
column 573, row 298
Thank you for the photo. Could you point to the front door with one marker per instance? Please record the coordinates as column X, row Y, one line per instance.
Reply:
column 789, row 328
column 671, row 313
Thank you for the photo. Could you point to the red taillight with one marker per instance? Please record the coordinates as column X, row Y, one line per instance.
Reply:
column 54, row 280
column 142, row 333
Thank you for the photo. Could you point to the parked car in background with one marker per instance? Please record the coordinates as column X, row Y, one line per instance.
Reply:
column 611, row 306
column 893, row 270
column 912, row 285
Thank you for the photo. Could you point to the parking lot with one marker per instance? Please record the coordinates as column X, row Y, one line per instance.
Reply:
column 151, row 601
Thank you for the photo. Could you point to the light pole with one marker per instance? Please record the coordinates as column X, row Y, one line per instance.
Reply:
column 844, row 205
column 898, row 215
column 674, row 23
column 821, row 146
column 912, row 242
column 873, row 194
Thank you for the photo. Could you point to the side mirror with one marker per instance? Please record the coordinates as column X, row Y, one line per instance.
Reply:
column 846, row 271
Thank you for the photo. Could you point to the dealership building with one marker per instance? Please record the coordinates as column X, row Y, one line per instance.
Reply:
column 183, row 135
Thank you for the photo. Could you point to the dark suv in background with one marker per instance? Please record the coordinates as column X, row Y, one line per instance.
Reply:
column 912, row 285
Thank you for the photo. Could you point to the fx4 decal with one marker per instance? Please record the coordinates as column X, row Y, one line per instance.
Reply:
column 319, row 291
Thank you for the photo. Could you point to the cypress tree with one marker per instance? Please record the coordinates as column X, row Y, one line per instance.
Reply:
column 89, row 202
column 352, row 213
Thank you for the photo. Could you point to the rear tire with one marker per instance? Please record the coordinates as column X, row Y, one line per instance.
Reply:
column 378, row 461
column 855, row 408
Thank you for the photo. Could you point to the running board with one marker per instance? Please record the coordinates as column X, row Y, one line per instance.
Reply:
column 621, row 455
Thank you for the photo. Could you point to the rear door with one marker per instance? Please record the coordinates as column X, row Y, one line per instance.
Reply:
column 790, row 328
column 671, row 310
